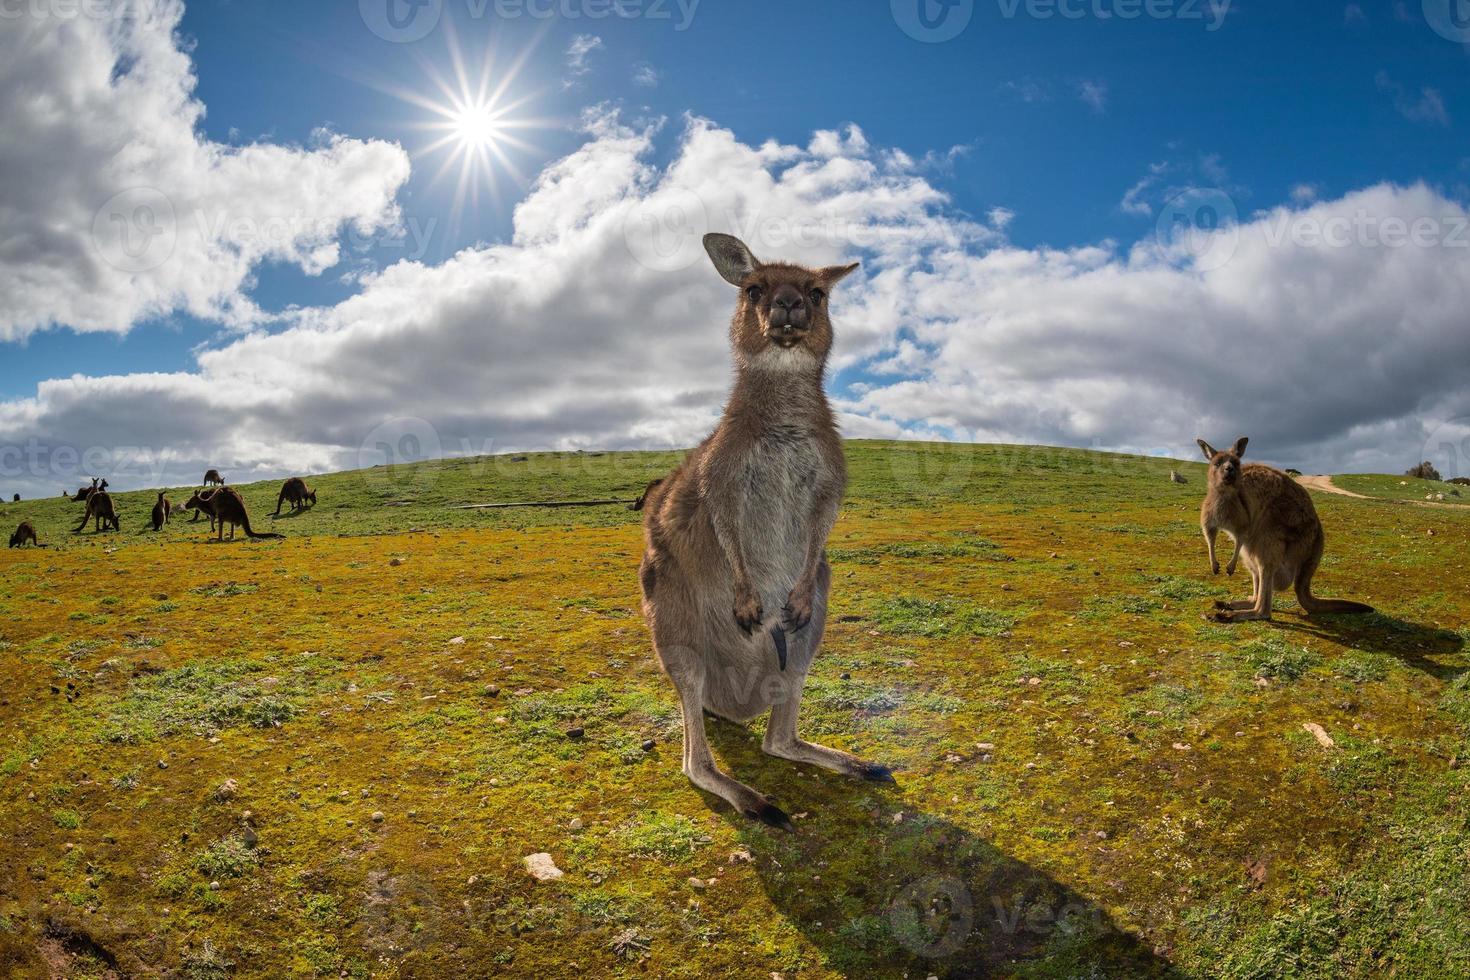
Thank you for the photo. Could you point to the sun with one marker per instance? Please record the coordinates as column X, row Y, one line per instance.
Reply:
column 475, row 123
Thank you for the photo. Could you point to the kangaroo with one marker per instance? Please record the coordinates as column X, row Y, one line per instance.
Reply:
column 202, row 502
column 740, row 528
column 23, row 534
column 100, row 511
column 1276, row 531
column 161, row 511
column 84, row 492
column 213, row 479
column 229, row 508
column 295, row 491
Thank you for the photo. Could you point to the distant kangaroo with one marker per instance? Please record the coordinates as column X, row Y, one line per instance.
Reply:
column 161, row 512
column 294, row 490
column 84, row 492
column 101, row 512
column 213, row 479
column 740, row 528
column 1276, row 532
column 229, row 508
column 23, row 534
column 202, row 502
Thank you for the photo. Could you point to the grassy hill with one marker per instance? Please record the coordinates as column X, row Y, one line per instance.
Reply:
column 329, row 755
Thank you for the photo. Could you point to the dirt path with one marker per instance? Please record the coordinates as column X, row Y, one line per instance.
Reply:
column 1325, row 484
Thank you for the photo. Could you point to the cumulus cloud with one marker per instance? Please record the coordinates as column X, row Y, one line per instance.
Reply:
column 114, row 209
column 579, row 54
column 1330, row 331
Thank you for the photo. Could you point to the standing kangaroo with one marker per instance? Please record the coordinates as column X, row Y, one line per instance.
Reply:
column 229, row 508
column 1276, row 533
column 294, row 490
column 161, row 511
column 213, row 479
column 100, row 511
column 740, row 529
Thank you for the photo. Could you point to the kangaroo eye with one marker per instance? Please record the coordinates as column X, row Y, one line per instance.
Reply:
column 754, row 293
column 817, row 297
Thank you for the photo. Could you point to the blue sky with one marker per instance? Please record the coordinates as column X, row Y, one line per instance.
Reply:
column 1076, row 125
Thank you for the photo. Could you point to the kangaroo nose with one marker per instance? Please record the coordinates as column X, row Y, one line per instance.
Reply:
column 788, row 308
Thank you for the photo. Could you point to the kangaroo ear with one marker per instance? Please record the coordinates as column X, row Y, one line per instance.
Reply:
column 833, row 274
column 1239, row 447
column 1209, row 450
column 732, row 259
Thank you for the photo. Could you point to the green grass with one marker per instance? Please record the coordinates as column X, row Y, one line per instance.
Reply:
column 1087, row 769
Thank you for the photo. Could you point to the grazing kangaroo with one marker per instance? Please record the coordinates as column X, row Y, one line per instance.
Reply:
column 229, row 508
column 1276, row 531
column 213, row 479
column 740, row 529
column 23, row 534
column 202, row 502
column 161, row 512
column 295, row 491
column 100, row 511
column 84, row 492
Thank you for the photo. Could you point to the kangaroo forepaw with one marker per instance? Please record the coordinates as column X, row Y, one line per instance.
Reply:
column 798, row 611
column 748, row 611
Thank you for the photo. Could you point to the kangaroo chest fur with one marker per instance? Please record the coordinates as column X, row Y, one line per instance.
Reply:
column 780, row 472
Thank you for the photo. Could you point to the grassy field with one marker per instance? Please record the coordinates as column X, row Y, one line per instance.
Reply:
column 329, row 755
column 1401, row 487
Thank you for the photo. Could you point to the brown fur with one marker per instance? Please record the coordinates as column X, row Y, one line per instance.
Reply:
column 202, row 502
column 1276, row 532
column 101, row 512
column 161, row 511
column 294, row 490
column 229, row 508
column 734, row 576
column 84, row 492
column 213, row 479
column 23, row 534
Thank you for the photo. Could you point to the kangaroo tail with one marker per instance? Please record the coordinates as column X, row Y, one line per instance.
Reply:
column 257, row 536
column 1314, row 605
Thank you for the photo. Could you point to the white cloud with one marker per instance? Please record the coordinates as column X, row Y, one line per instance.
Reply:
column 600, row 324
column 579, row 53
column 114, row 209
column 1428, row 107
column 645, row 75
column 1094, row 93
column 1304, row 193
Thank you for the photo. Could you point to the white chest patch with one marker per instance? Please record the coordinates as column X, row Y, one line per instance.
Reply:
column 782, row 473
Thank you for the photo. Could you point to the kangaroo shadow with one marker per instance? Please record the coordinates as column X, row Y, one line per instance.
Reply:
column 886, row 890
column 1415, row 644
column 289, row 515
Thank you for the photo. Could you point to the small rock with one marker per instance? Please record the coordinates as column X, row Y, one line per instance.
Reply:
column 697, row 884
column 395, row 562
column 214, row 886
column 741, row 856
column 576, row 732
column 457, row 641
column 847, row 677
column 541, row 867
column 162, row 764
column 985, row 746
column 576, row 824
column 1320, row 734
column 226, row 790
column 648, row 744
column 1181, row 746
column 378, row 816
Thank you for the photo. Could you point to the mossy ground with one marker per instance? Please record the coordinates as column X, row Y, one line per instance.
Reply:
column 1092, row 781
